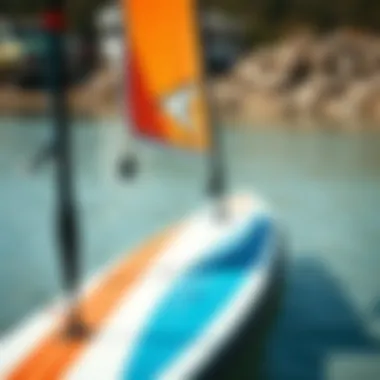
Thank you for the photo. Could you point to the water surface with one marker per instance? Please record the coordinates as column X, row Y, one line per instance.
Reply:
column 325, row 187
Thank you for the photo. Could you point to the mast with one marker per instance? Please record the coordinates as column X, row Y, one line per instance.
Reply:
column 54, row 22
column 217, row 184
column 217, row 175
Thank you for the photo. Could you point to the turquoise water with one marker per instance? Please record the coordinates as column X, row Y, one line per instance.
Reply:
column 325, row 187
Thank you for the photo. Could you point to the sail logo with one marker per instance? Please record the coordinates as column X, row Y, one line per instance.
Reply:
column 178, row 105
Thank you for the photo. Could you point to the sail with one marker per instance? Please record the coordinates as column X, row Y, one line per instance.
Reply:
column 164, row 72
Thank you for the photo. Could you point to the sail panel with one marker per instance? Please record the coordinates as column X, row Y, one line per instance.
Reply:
column 164, row 72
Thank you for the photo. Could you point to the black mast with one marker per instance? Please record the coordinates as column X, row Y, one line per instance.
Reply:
column 55, row 25
column 216, row 185
column 217, row 177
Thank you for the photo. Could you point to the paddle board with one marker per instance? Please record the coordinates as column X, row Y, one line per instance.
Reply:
column 165, row 311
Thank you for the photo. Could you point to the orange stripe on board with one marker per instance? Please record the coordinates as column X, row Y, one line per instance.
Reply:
column 55, row 354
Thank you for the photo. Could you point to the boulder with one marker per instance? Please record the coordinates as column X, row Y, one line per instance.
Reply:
column 226, row 93
column 308, row 97
column 258, row 71
column 100, row 95
column 277, row 68
column 14, row 101
column 346, row 55
column 256, row 107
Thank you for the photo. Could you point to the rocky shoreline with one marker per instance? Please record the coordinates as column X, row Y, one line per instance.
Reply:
column 306, row 80
column 96, row 97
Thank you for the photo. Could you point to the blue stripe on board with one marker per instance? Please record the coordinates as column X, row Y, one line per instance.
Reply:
column 195, row 299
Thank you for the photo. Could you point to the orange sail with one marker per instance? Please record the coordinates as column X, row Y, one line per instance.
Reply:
column 164, row 72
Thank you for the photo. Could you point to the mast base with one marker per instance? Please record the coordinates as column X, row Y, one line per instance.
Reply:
column 76, row 329
column 216, row 190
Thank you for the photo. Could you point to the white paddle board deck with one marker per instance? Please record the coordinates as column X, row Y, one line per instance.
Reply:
column 164, row 311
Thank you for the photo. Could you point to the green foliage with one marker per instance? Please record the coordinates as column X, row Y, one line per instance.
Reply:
column 266, row 19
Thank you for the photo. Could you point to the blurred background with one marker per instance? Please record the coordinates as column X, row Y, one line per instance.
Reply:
column 296, row 84
column 275, row 60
